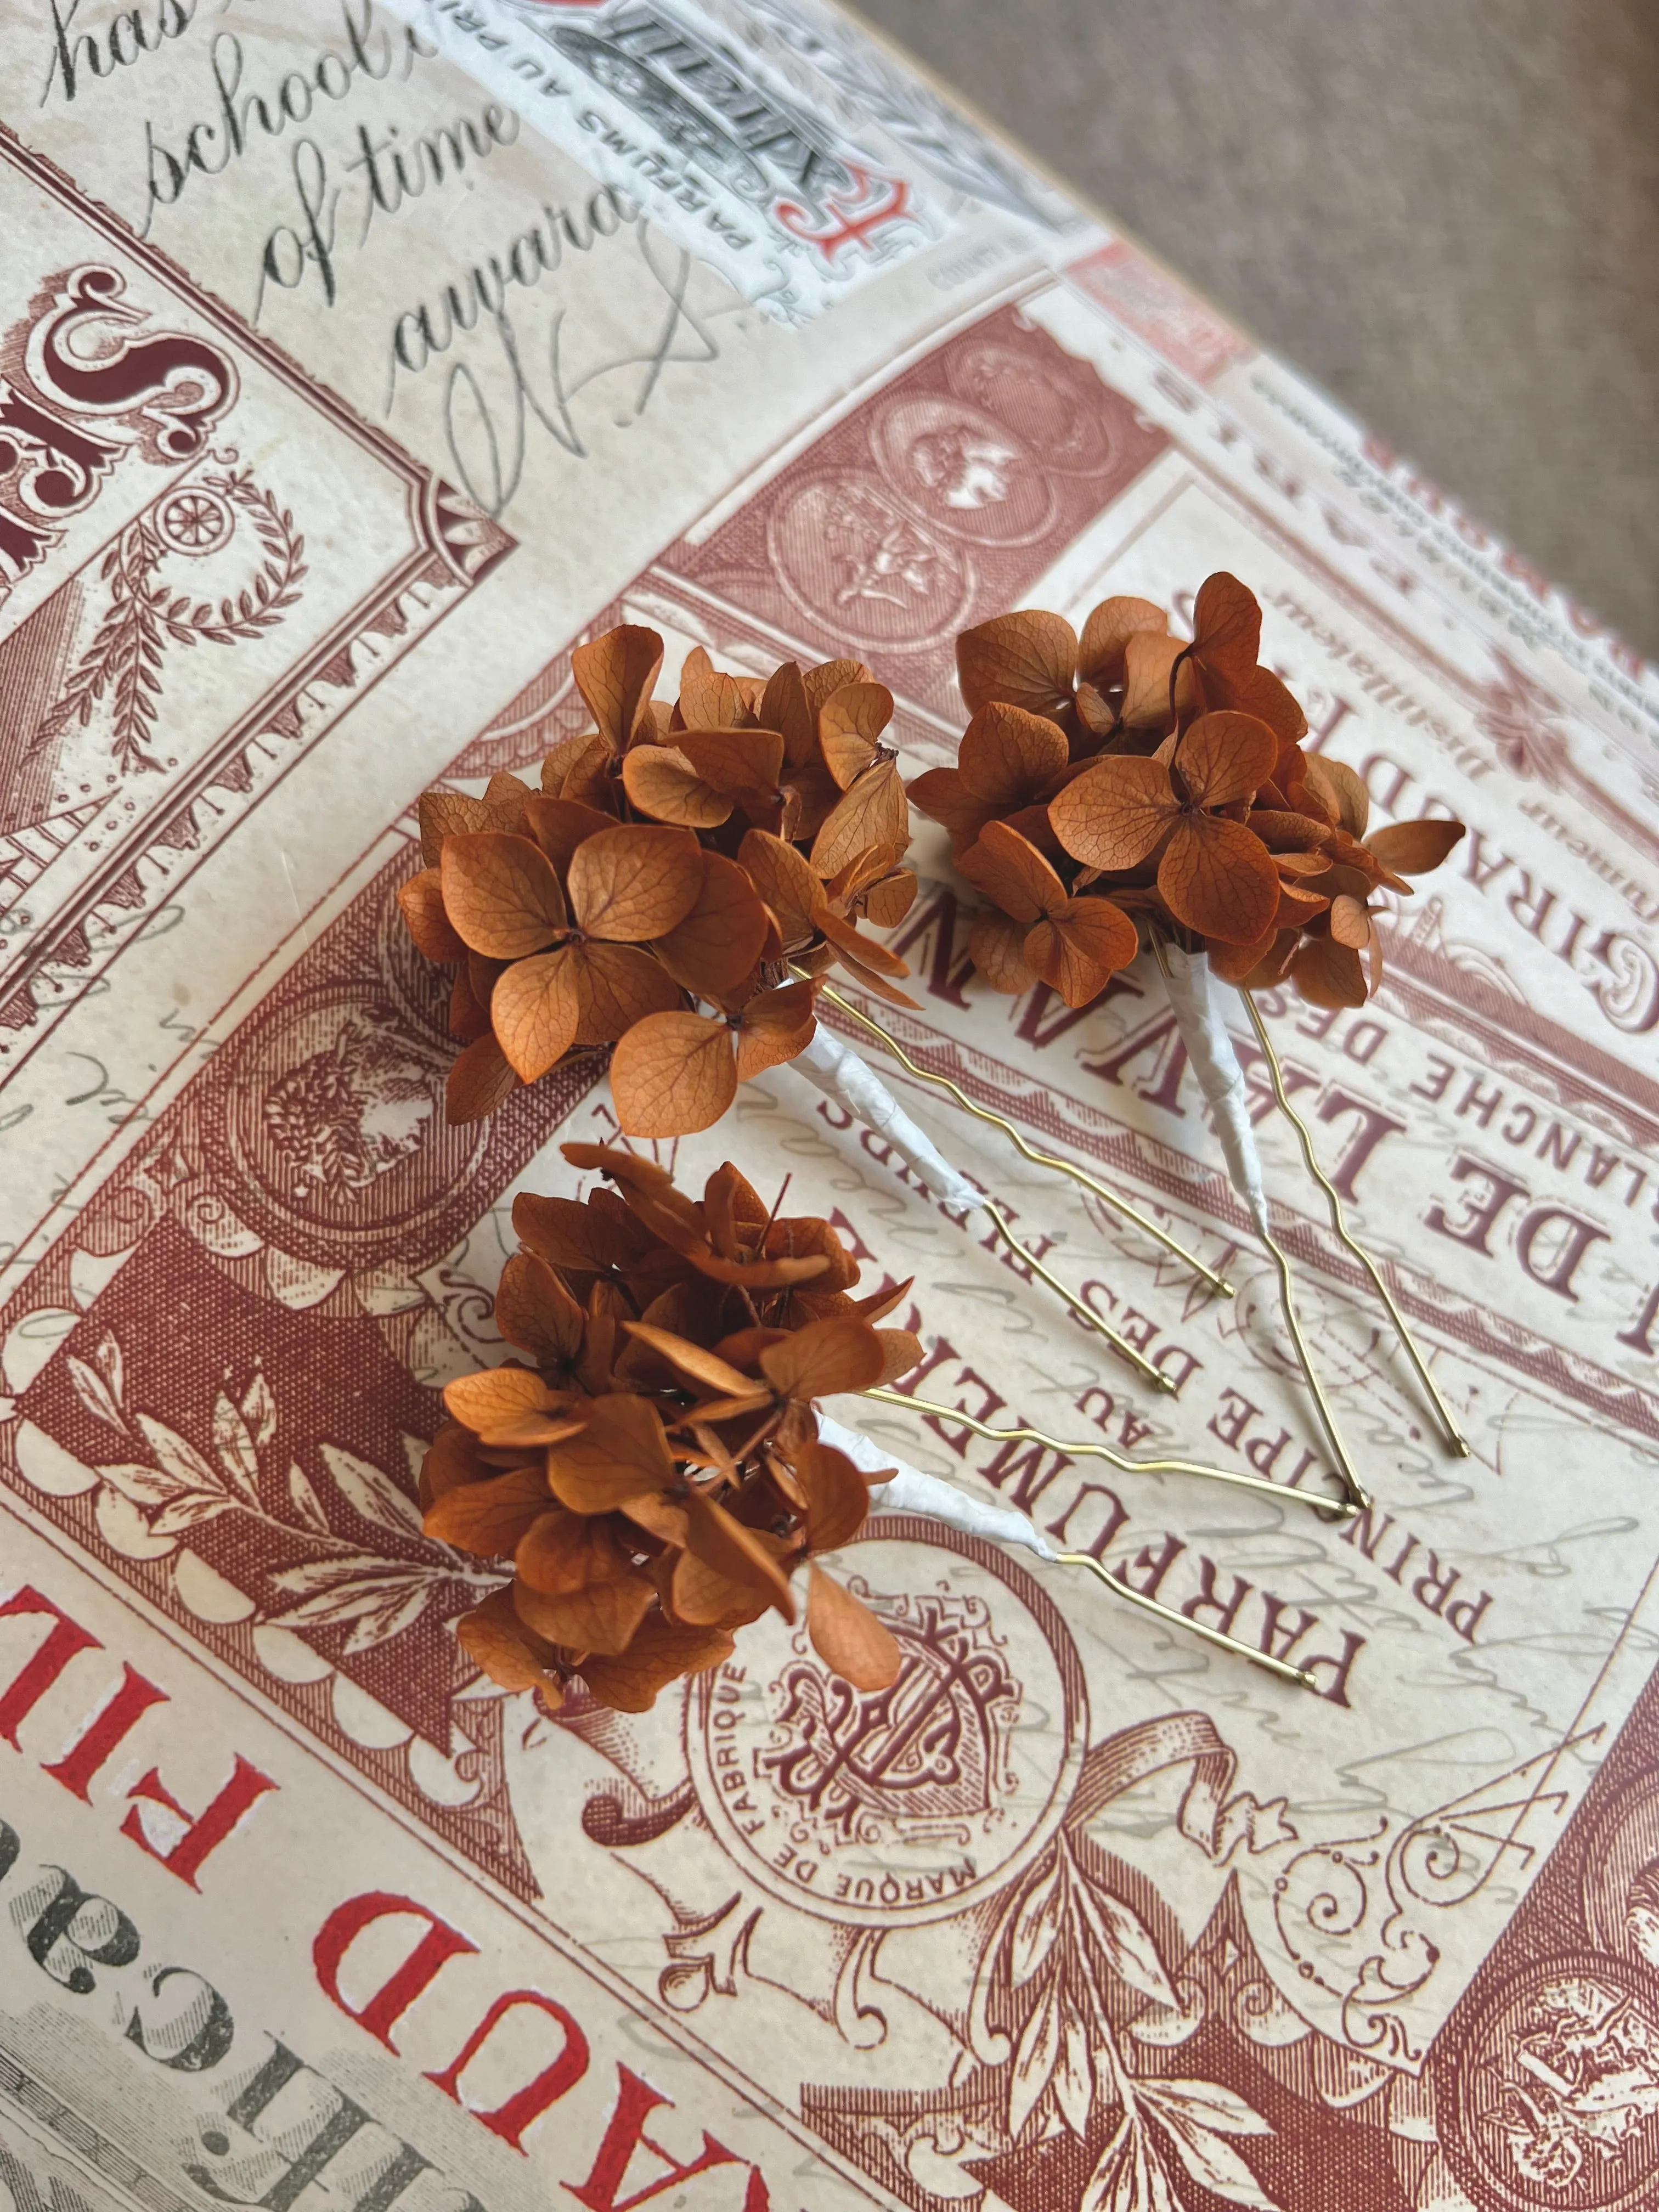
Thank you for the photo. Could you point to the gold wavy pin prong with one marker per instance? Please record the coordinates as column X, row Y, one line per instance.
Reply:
column 1456, row 1439
column 1022, row 1144
column 1328, row 1507
column 1266, row 1660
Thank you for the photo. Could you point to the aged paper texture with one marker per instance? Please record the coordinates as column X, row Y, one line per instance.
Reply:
column 338, row 403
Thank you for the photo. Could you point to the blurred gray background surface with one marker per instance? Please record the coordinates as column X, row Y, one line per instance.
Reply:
column 1444, row 211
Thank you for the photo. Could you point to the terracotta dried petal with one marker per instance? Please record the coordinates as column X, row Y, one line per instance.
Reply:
column 1281, row 832
column 672, row 1074
column 620, row 1454
column 1327, row 974
column 775, row 1027
column 710, row 699
column 1114, row 814
column 497, row 1642
column 1076, row 951
column 850, row 723
column 823, row 1357
column 900, row 1351
column 716, row 945
column 662, row 1651
column 481, row 1078
column 845, row 937
column 559, row 825
column 467, row 1019
column 488, row 1519
column 1007, row 755
column 783, row 879
column 497, row 1396
column 1233, row 963
column 565, row 1551
column 452, row 1457
column 872, row 814
column 945, row 796
column 847, row 1636
column 616, row 674
column 1225, row 757
column 447, row 814
column 661, row 782
column 1014, row 873
column 1027, row 659
column 617, row 986
column 1226, row 626
column 701, row 1594
column 534, row 1311
column 1261, row 694
column 578, row 768
column 600, row 1620
column 1351, row 924
column 734, row 761
column 874, row 983
column 698, row 1366
column 1412, row 849
column 633, row 882
column 722, row 1542
column 421, row 902
column 827, row 678
column 588, row 1238
column 1336, row 781
column 784, row 708
column 887, row 903
column 501, row 894
column 1107, row 633
column 996, row 946
column 535, row 1008
column 1218, row 879
column 1149, row 664
column 838, row 1496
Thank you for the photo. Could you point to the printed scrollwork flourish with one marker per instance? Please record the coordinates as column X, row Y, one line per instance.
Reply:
column 146, row 1508
column 144, row 617
column 1063, row 1943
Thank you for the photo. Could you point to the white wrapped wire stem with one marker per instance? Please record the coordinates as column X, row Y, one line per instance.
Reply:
column 1022, row 1144
column 908, row 1490
column 1215, row 1063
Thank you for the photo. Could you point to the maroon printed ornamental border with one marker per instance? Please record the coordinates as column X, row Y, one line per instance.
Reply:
column 451, row 542
column 308, row 1295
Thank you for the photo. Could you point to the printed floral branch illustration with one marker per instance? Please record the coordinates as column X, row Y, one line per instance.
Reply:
column 146, row 1508
column 144, row 618
column 1063, row 1941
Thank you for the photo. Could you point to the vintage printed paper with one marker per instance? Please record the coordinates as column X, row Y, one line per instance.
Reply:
column 300, row 1911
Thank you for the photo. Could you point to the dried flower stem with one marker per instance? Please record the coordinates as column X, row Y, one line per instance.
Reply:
column 1089, row 1448
column 1454, row 1436
column 1028, row 1151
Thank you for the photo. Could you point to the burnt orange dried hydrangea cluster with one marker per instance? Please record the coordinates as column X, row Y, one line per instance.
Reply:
column 1131, row 775
column 674, row 856
column 657, row 1476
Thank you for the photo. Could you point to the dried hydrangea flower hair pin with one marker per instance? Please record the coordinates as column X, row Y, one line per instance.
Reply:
column 676, row 859
column 1130, row 780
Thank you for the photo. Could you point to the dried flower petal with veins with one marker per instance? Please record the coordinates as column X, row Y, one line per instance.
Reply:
column 647, row 1491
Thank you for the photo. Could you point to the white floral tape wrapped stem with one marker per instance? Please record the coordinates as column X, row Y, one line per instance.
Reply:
column 1196, row 1003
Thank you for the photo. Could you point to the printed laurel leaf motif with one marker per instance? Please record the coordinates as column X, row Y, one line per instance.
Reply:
column 372, row 1492
column 179, row 1459
column 258, row 1407
column 234, row 1441
column 1036, row 1928
column 144, row 1486
column 1126, row 1943
column 1034, row 2062
column 1208, row 2156
column 95, row 1392
column 306, row 1503
column 1074, row 2075
column 1130, row 2176
column 1206, row 2103
column 328, row 1591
